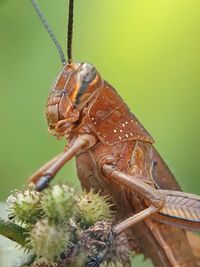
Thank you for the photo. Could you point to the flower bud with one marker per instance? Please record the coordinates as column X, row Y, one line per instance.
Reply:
column 24, row 206
column 49, row 240
column 58, row 202
column 92, row 208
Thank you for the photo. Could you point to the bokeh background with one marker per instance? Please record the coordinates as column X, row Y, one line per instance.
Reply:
column 147, row 49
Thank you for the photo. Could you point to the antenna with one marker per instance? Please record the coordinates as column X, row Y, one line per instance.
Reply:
column 49, row 30
column 70, row 31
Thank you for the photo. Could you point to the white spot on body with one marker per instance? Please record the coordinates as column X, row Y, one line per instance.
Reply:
column 114, row 130
column 126, row 135
column 123, row 124
column 92, row 118
column 131, row 134
column 126, row 122
column 119, row 137
column 120, row 131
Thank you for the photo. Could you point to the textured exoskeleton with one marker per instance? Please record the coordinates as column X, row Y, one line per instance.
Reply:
column 115, row 155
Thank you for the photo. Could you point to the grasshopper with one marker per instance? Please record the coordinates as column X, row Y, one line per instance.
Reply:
column 115, row 155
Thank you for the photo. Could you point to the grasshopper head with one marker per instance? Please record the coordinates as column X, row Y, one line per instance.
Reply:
column 74, row 87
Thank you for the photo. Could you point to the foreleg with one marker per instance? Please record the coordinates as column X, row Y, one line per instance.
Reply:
column 49, row 170
column 41, row 171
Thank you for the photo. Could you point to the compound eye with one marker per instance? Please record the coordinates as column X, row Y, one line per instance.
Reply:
column 87, row 73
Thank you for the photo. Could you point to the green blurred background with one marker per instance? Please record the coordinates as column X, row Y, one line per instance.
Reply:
column 147, row 49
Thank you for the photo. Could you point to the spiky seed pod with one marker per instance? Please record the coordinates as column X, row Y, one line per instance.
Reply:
column 24, row 206
column 104, row 244
column 49, row 240
column 92, row 208
column 58, row 202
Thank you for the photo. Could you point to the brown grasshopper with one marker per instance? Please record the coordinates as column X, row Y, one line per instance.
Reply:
column 115, row 154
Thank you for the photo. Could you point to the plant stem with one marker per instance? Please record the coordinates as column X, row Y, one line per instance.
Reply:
column 12, row 231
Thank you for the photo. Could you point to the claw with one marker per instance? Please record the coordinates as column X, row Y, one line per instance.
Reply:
column 93, row 261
